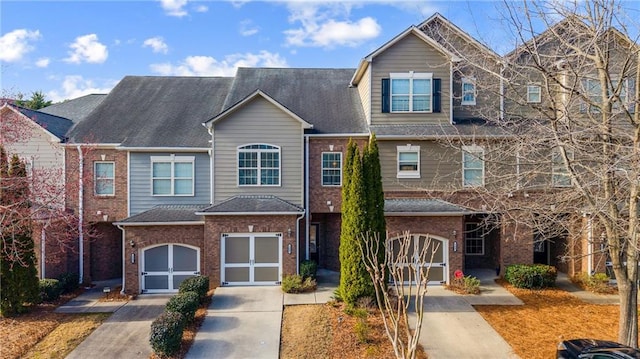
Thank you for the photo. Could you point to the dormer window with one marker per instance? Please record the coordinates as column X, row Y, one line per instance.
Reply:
column 410, row 92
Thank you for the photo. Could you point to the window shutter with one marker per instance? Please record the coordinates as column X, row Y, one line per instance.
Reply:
column 386, row 101
column 436, row 96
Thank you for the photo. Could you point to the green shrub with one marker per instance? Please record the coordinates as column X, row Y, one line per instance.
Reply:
column 294, row 283
column 357, row 312
column 596, row 283
column 198, row 284
column 166, row 333
column 362, row 330
column 534, row 276
column 308, row 269
column 50, row 289
column 69, row 282
column 465, row 285
column 185, row 303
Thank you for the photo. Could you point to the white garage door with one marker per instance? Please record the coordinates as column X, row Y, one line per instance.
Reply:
column 436, row 269
column 165, row 266
column 251, row 259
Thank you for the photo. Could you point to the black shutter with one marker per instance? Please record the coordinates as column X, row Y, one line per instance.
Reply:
column 386, row 97
column 437, row 107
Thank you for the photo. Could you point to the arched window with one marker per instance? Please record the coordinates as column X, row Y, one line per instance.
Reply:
column 258, row 165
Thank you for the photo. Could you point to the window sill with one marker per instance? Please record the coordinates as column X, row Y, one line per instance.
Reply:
column 332, row 185
column 173, row 195
column 408, row 175
column 468, row 104
column 406, row 112
column 104, row 195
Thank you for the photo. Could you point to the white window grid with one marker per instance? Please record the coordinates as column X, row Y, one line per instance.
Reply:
column 559, row 172
column 474, row 239
column 331, row 169
column 408, row 159
column 104, row 178
column 534, row 94
column 259, row 165
column 174, row 176
column 468, row 91
column 412, row 100
column 472, row 166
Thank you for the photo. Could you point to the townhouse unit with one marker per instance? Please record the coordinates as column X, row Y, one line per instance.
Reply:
column 239, row 178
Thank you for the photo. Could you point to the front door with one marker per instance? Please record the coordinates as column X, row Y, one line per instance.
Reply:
column 251, row 259
column 165, row 266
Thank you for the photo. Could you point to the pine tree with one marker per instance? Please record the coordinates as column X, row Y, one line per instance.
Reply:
column 18, row 274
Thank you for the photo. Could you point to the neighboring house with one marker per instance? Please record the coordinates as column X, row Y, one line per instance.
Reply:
column 239, row 178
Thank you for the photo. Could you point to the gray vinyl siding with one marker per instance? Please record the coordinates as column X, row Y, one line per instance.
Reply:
column 258, row 122
column 364, row 90
column 140, row 182
column 409, row 54
column 440, row 167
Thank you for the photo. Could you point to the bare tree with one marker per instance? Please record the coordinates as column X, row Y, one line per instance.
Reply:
column 565, row 146
column 402, row 292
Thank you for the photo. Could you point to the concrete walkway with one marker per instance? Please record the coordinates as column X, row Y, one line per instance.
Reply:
column 563, row 282
column 89, row 301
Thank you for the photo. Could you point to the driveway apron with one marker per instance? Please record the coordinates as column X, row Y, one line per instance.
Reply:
column 125, row 334
column 242, row 322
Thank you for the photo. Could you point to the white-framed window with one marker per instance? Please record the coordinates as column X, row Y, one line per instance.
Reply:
column 408, row 161
column 332, row 169
column 172, row 175
column 593, row 91
column 534, row 94
column 411, row 92
column 474, row 234
column 472, row 166
column 559, row 171
column 468, row 91
column 104, row 178
column 258, row 165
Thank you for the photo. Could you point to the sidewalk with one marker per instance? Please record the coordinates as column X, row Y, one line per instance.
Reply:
column 88, row 302
column 563, row 282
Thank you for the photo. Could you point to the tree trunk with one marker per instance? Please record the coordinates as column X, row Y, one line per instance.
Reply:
column 628, row 323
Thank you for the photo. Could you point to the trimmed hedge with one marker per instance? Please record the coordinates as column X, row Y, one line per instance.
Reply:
column 50, row 289
column 531, row 276
column 198, row 284
column 69, row 282
column 308, row 269
column 166, row 333
column 185, row 303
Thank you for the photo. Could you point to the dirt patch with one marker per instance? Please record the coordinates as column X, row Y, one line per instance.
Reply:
column 325, row 331
column 547, row 317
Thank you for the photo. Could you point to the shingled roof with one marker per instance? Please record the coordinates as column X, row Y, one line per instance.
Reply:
column 184, row 214
column 321, row 97
column 419, row 206
column 77, row 109
column 150, row 111
column 58, row 126
column 241, row 205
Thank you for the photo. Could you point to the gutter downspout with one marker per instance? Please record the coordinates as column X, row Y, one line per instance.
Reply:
column 124, row 259
column 211, row 163
column 43, row 238
column 589, row 246
column 450, row 92
column 502, row 93
column 306, row 195
column 80, row 214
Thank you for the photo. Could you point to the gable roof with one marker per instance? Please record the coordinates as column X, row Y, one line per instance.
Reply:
column 437, row 17
column 412, row 30
column 155, row 111
column 166, row 214
column 53, row 125
column 251, row 97
column 320, row 97
column 256, row 205
column 76, row 109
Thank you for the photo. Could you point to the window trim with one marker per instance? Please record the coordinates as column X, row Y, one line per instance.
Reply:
column 411, row 75
column 96, row 179
column 407, row 149
column 468, row 81
column 529, row 93
column 243, row 149
column 556, row 175
column 472, row 150
column 173, row 159
column 477, row 227
column 322, row 169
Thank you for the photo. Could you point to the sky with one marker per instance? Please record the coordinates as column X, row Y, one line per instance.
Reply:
column 67, row 49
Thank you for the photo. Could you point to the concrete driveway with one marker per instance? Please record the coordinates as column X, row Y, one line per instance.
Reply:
column 242, row 322
column 125, row 334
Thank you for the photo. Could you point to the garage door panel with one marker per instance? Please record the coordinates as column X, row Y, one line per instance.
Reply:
column 267, row 250
column 237, row 250
column 157, row 259
column 436, row 274
column 185, row 259
column 159, row 282
column 268, row 274
column 431, row 246
column 237, row 274
column 178, row 279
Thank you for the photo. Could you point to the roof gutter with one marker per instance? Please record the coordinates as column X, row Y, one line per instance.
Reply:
column 175, row 223
column 427, row 214
column 248, row 213
column 438, row 137
column 163, row 149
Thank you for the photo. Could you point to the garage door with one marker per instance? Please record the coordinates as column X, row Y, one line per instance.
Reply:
column 165, row 266
column 251, row 259
column 435, row 269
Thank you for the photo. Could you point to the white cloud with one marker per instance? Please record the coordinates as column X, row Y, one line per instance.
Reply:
column 74, row 86
column 202, row 8
column 209, row 66
column 43, row 62
column 87, row 48
column 15, row 44
column 174, row 7
column 157, row 44
column 247, row 28
column 321, row 27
